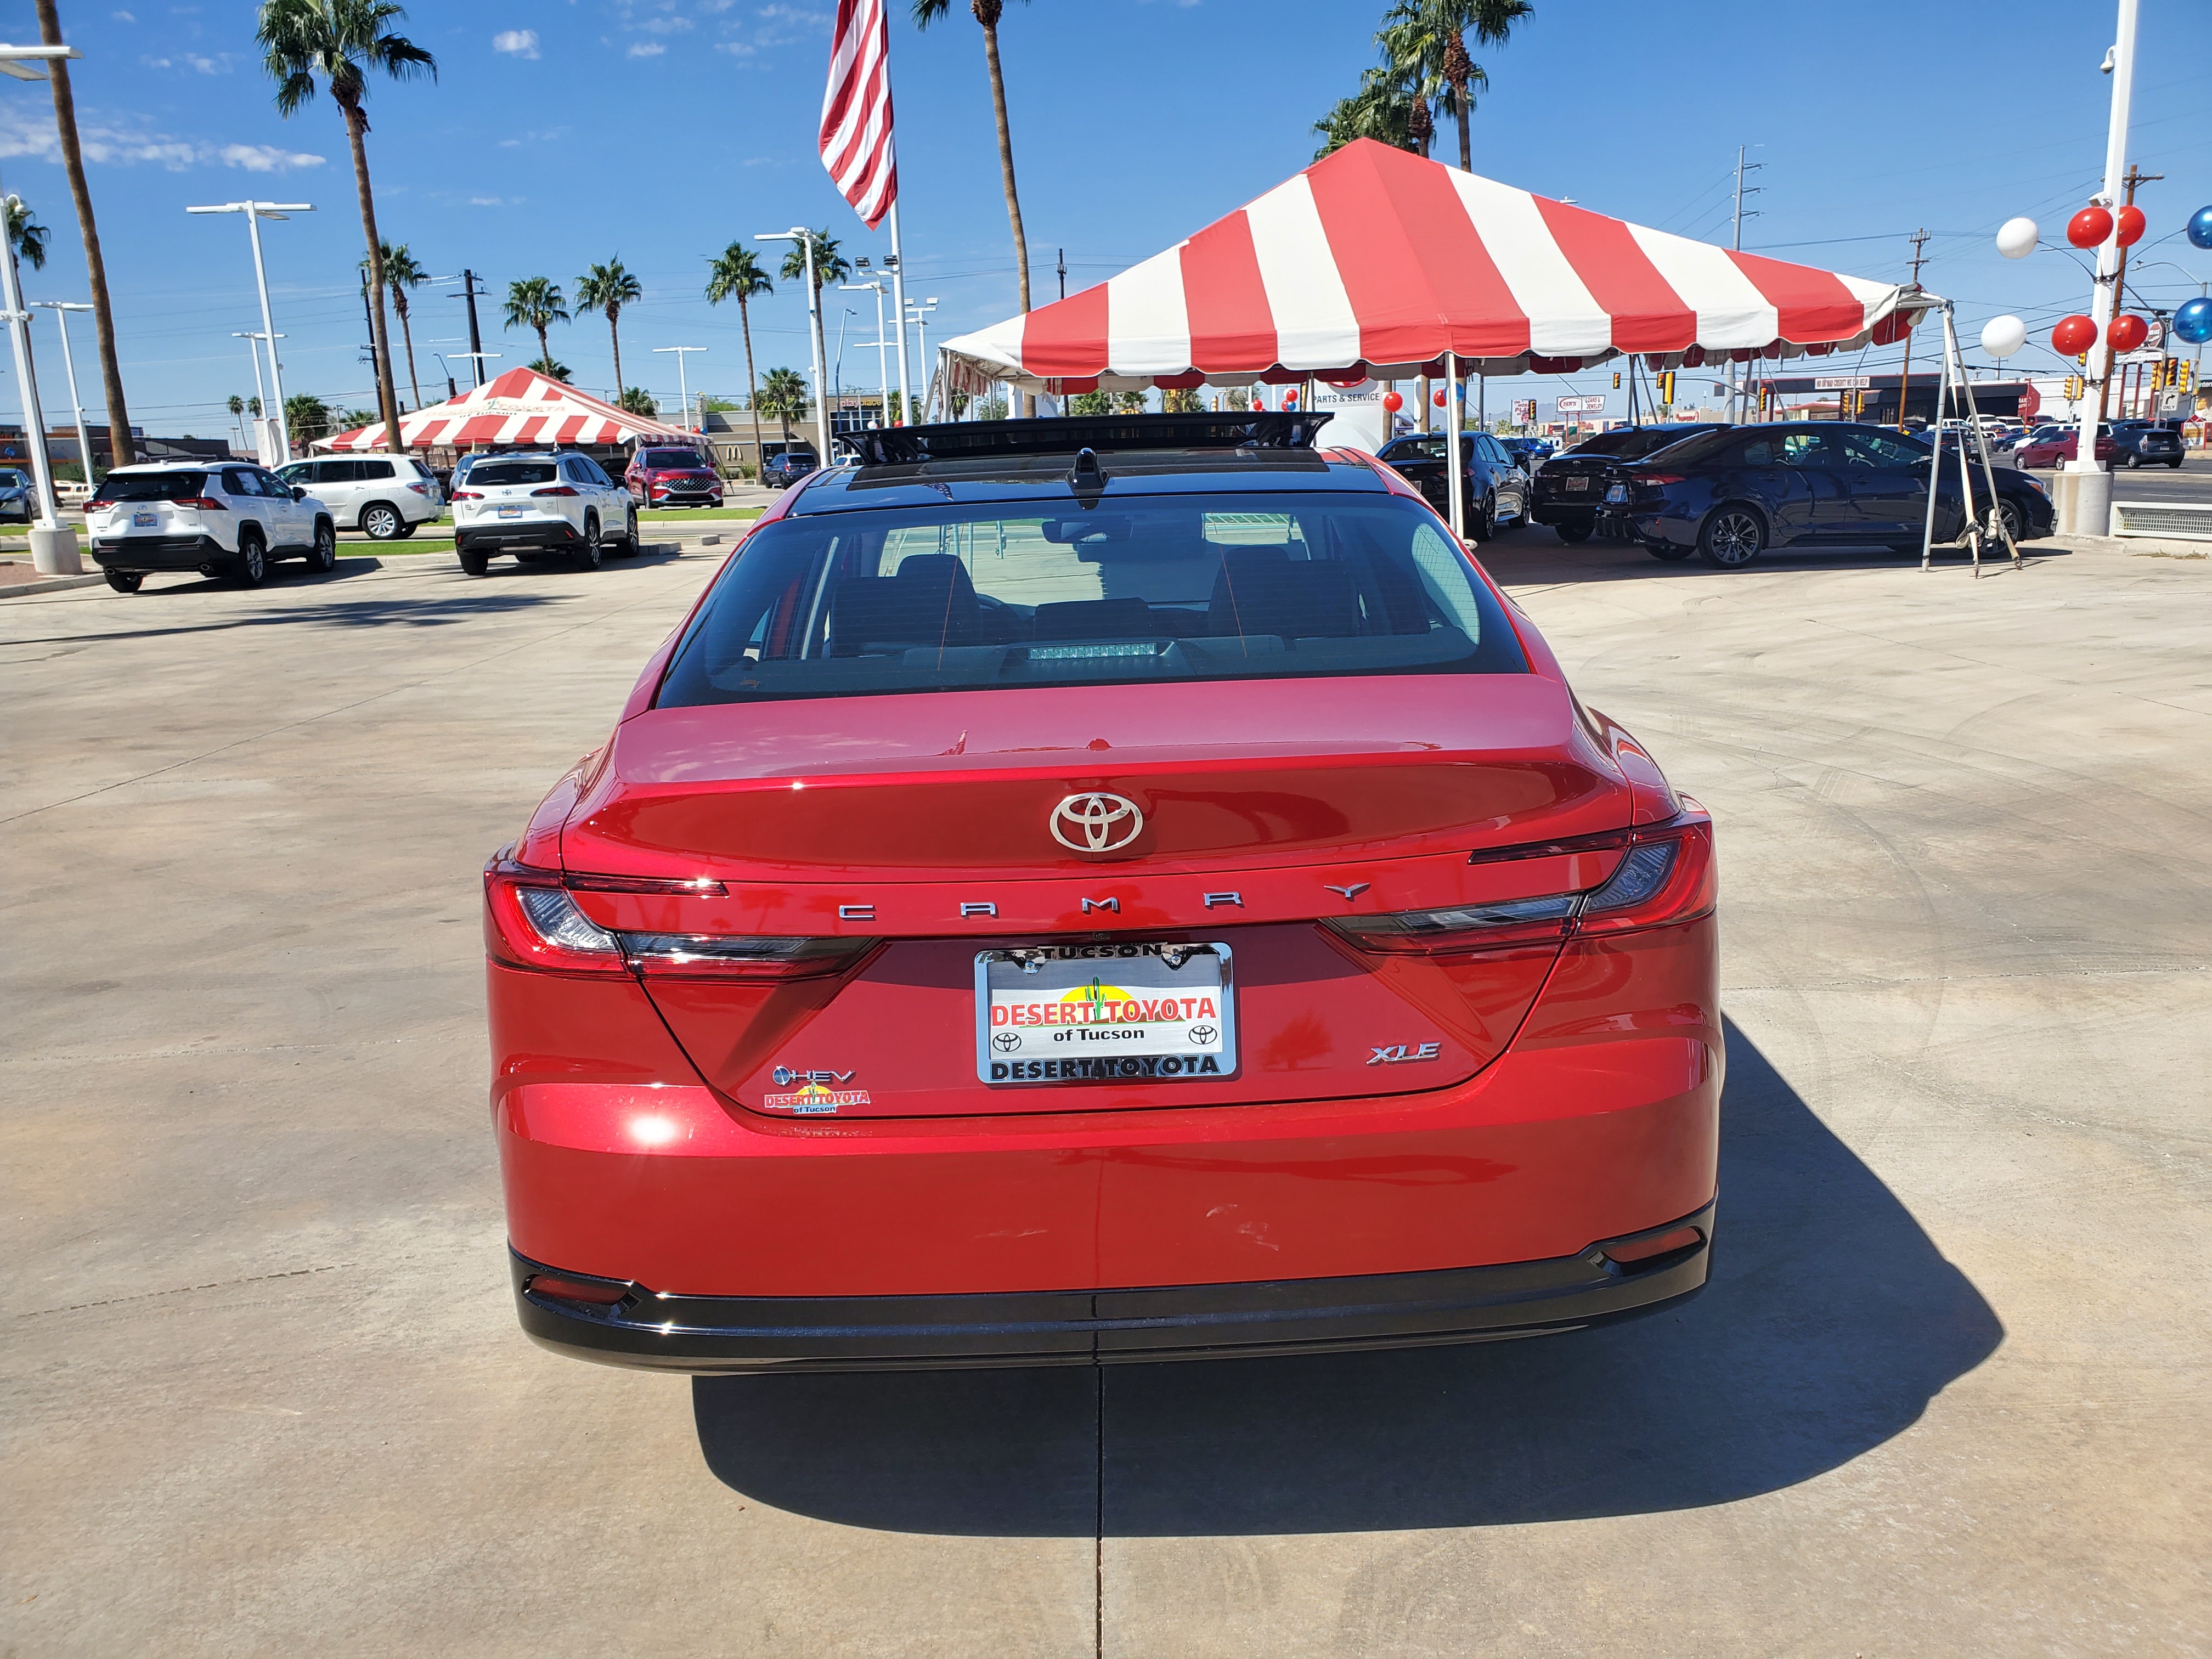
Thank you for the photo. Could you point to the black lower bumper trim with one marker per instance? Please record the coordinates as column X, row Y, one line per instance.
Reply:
column 708, row 1334
column 159, row 553
column 562, row 534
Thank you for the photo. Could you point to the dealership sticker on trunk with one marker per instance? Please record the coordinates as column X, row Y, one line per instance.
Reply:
column 814, row 1100
column 1066, row 1013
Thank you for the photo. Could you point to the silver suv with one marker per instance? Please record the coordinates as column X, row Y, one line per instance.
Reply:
column 231, row 520
column 383, row 497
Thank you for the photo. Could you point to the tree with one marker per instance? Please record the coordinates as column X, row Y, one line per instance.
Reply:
column 551, row 370
column 307, row 417
column 253, row 408
column 401, row 271
column 988, row 12
column 1425, row 41
column 1128, row 403
column 534, row 302
column 829, row 265
column 737, row 275
column 783, row 399
column 607, row 289
column 1382, row 109
column 121, row 450
column 1091, row 403
column 342, row 41
column 354, row 419
column 237, row 407
column 638, row 401
column 26, row 237
column 990, row 409
column 1181, row 400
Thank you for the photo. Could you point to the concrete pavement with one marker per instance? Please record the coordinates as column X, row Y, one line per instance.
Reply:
column 264, row 1393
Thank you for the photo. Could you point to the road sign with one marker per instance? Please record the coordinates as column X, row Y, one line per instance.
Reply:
column 1524, row 413
column 2031, row 403
column 1844, row 383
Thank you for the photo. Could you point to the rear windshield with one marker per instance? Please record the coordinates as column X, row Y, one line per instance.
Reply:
column 678, row 458
column 150, row 487
column 801, row 457
column 1159, row 588
column 511, row 473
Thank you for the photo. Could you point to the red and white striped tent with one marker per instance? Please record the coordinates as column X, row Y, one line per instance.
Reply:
column 1375, row 262
column 520, row 407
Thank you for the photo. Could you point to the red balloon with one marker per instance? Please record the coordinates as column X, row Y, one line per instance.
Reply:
column 1290, row 398
column 2128, row 331
column 2073, row 336
column 1438, row 399
column 2089, row 227
column 1393, row 402
column 2132, row 223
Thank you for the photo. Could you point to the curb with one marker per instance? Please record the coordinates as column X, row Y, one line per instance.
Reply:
column 51, row 585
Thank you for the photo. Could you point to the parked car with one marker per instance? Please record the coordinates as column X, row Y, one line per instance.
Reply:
column 1570, row 488
column 233, row 520
column 1531, row 452
column 787, row 469
column 383, row 497
column 17, row 498
column 1284, row 960
column 1731, row 493
column 2144, row 443
column 533, row 504
column 2062, row 445
column 673, row 477
column 71, row 492
column 1497, row 488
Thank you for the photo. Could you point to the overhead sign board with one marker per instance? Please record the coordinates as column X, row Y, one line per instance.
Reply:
column 1590, row 405
column 1844, row 383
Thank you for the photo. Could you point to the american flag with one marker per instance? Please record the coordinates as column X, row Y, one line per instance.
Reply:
column 856, row 111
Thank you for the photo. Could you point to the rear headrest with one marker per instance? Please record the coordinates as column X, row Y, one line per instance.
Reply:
column 1261, row 591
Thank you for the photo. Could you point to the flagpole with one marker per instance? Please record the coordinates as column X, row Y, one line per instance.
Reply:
column 898, row 310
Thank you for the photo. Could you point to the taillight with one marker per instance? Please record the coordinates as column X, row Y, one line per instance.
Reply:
column 1656, row 477
column 531, row 922
column 420, row 490
column 205, row 503
column 553, row 489
column 1667, row 876
column 467, row 495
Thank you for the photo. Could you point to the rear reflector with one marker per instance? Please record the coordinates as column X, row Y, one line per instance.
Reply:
column 1628, row 1252
column 597, row 1293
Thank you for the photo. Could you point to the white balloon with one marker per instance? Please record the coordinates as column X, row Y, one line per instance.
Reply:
column 2002, row 335
column 2016, row 238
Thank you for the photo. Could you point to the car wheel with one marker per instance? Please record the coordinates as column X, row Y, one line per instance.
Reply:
column 404, row 531
column 2175, row 463
column 323, row 555
column 1732, row 538
column 592, row 555
column 627, row 546
column 1485, row 519
column 2013, row 523
column 475, row 564
column 1575, row 530
column 250, row 568
column 381, row 521
column 124, row 581
column 1667, row 551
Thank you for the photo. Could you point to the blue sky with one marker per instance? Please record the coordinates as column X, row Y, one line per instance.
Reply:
column 562, row 134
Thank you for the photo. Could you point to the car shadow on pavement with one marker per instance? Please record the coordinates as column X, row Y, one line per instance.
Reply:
column 1539, row 558
column 1831, row 1320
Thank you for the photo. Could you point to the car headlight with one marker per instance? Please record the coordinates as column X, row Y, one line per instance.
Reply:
column 2034, row 483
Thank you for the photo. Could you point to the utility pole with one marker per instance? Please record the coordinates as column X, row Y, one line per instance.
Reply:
column 1063, row 273
column 1742, row 167
column 2135, row 176
column 1904, row 378
column 469, row 291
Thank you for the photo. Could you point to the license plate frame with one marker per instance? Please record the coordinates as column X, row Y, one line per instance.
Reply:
column 1146, row 1049
column 145, row 517
column 510, row 512
column 1576, row 484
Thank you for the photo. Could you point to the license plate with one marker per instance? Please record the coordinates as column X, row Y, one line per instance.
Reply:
column 1575, row 486
column 1618, row 492
column 510, row 512
column 1136, row 1013
column 144, row 520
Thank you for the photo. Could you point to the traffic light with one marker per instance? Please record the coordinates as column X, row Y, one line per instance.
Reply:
column 1616, row 380
column 1667, row 385
column 2074, row 388
column 2083, row 360
column 2185, row 374
column 1765, row 394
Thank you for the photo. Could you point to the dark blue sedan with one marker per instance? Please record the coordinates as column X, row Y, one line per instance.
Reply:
column 1731, row 493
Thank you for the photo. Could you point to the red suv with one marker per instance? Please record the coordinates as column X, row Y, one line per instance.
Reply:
column 2040, row 451
column 1054, row 908
column 673, row 477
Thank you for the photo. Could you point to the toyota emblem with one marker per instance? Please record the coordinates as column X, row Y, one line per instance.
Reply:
column 1096, row 824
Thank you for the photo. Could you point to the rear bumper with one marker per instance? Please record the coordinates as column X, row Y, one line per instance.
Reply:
column 497, row 538
column 158, row 552
column 698, row 1333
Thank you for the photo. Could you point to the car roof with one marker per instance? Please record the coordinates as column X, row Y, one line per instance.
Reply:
column 1050, row 478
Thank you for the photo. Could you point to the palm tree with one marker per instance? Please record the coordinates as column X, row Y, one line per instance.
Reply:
column 307, row 417
column 1382, row 109
column 121, row 451
column 737, row 275
column 26, row 237
column 237, row 407
column 534, row 303
column 1426, row 41
column 638, row 401
column 783, row 395
column 342, row 41
column 401, row 271
column 988, row 12
column 609, row 288
column 551, row 370
column 829, row 265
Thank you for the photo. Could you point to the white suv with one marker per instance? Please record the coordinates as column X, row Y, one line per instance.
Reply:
column 383, row 497
column 231, row 519
column 526, row 504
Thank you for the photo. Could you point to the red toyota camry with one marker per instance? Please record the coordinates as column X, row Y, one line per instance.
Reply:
column 1081, row 890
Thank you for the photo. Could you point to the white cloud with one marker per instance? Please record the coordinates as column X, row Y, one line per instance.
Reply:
column 484, row 200
column 266, row 158
column 665, row 25
column 124, row 17
column 520, row 43
column 647, row 49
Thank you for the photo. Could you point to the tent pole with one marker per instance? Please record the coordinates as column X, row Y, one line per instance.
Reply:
column 1936, row 460
column 1957, row 362
column 1981, row 450
column 1456, row 485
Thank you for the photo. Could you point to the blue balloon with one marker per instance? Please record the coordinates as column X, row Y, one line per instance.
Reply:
column 2193, row 321
column 2200, row 228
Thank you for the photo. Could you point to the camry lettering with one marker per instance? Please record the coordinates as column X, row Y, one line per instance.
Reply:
column 1351, row 892
column 856, row 913
column 1212, row 899
column 979, row 908
column 1113, row 904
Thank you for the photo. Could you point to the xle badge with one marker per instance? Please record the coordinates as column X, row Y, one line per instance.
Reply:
column 1398, row 1053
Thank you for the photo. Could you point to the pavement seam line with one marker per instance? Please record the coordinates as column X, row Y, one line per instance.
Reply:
column 186, row 1290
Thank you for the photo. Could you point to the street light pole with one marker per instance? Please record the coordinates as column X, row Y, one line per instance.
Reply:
column 917, row 316
column 804, row 238
column 255, row 212
column 883, row 364
column 53, row 549
column 61, row 308
column 683, row 386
